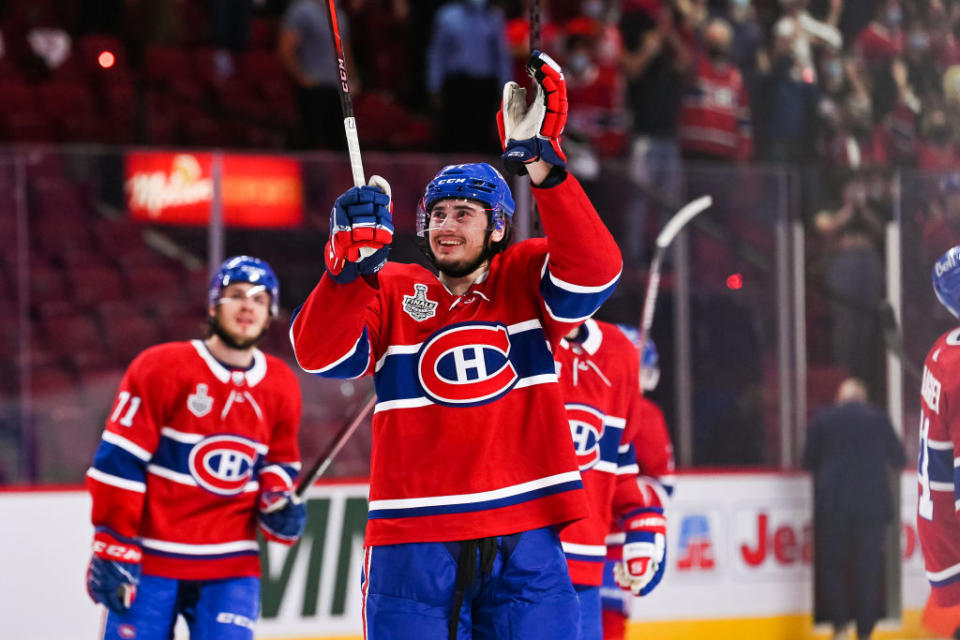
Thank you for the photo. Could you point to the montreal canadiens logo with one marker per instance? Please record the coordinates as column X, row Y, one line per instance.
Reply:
column 586, row 427
column 467, row 364
column 223, row 464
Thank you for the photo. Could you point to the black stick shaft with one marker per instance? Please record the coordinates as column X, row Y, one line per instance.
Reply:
column 346, row 104
column 326, row 458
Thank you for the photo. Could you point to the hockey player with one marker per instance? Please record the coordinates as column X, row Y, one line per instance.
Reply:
column 655, row 464
column 599, row 373
column 939, row 491
column 472, row 465
column 199, row 449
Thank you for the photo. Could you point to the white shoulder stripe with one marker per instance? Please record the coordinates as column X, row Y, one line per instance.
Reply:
column 941, row 486
column 599, row 550
column 940, row 444
column 131, row 448
column 469, row 498
column 630, row 469
column 200, row 549
column 607, row 467
column 544, row 378
column 116, row 481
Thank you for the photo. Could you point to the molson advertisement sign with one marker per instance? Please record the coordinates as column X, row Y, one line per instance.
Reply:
column 177, row 188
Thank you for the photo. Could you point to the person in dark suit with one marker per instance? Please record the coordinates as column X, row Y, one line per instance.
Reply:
column 851, row 446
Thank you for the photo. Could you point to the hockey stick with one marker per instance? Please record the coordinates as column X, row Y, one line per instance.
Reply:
column 326, row 458
column 670, row 230
column 534, row 25
column 893, row 339
column 346, row 105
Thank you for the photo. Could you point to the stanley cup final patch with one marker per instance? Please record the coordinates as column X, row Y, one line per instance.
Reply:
column 418, row 306
column 199, row 403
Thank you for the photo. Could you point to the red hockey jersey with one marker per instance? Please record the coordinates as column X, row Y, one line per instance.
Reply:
column 939, row 494
column 715, row 113
column 469, row 431
column 600, row 377
column 186, row 446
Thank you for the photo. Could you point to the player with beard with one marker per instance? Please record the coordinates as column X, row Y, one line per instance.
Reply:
column 200, row 448
column 472, row 464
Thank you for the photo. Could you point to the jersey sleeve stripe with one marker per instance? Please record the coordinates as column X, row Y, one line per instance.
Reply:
column 945, row 576
column 592, row 550
column 115, row 481
column 567, row 302
column 940, row 444
column 117, row 462
column 350, row 365
column 628, row 469
column 128, row 446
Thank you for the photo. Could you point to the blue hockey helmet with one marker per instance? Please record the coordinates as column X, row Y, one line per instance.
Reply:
column 946, row 280
column 649, row 358
column 475, row 181
column 245, row 269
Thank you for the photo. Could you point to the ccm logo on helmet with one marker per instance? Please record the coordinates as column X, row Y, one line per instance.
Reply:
column 467, row 364
column 223, row 464
column 586, row 427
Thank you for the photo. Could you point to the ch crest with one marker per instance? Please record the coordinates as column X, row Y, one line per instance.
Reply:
column 418, row 306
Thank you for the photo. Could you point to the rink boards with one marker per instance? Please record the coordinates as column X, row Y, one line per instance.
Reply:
column 739, row 553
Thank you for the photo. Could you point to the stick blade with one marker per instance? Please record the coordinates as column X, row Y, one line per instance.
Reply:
column 686, row 213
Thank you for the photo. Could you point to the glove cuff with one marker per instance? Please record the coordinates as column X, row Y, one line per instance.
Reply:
column 109, row 546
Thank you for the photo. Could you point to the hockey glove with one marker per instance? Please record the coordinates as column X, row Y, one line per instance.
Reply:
column 531, row 133
column 281, row 516
column 114, row 571
column 361, row 230
column 644, row 551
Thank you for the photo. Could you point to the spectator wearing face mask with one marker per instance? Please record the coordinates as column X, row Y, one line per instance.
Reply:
column 796, row 33
column 937, row 146
column 596, row 116
column 882, row 40
column 715, row 121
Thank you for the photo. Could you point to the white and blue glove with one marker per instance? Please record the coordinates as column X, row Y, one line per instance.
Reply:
column 644, row 551
column 361, row 230
column 531, row 133
column 282, row 516
column 114, row 571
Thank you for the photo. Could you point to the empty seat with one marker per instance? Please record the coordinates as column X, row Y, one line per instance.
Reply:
column 46, row 283
column 28, row 127
column 96, row 284
column 67, row 334
column 59, row 99
column 154, row 282
column 129, row 335
column 18, row 97
column 165, row 64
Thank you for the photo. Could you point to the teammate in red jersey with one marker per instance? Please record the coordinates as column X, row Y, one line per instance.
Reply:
column 655, row 467
column 599, row 373
column 939, row 492
column 472, row 467
column 199, row 449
